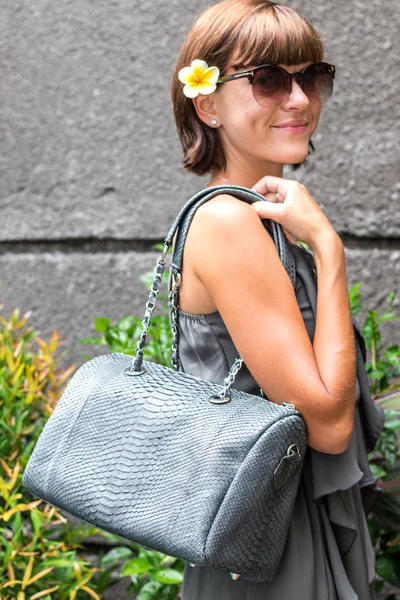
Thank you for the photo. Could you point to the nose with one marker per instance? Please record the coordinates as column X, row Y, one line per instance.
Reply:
column 296, row 97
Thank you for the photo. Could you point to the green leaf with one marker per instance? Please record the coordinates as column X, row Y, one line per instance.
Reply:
column 116, row 554
column 17, row 526
column 136, row 565
column 385, row 566
column 37, row 519
column 393, row 424
column 168, row 560
column 57, row 562
column 101, row 324
column 377, row 470
column 149, row 591
column 389, row 317
column 387, row 445
column 9, row 549
column 169, row 576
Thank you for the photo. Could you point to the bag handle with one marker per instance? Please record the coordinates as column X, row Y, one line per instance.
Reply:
column 183, row 221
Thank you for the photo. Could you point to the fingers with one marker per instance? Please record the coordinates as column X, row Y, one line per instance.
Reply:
column 271, row 184
column 268, row 210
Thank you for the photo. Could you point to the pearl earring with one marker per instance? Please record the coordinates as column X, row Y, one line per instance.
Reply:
column 213, row 121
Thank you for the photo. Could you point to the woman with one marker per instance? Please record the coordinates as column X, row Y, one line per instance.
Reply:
column 241, row 127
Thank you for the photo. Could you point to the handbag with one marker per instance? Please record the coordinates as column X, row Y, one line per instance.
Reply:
column 191, row 468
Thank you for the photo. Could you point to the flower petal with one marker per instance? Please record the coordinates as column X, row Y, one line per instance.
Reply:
column 186, row 75
column 211, row 74
column 198, row 68
column 199, row 64
column 207, row 87
column 191, row 90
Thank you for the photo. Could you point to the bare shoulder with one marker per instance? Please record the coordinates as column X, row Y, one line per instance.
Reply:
column 221, row 222
column 224, row 207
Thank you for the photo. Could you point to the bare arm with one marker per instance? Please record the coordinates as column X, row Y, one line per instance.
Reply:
column 334, row 344
column 238, row 263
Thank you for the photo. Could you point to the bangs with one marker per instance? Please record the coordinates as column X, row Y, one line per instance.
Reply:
column 276, row 34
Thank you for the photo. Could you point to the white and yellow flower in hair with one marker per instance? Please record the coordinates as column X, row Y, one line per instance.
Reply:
column 199, row 78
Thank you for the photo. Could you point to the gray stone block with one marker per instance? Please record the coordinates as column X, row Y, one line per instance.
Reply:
column 67, row 291
column 87, row 133
column 90, row 153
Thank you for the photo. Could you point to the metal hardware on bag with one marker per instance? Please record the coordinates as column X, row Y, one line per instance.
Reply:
column 131, row 371
column 289, row 405
column 293, row 449
column 172, row 303
column 176, row 281
column 229, row 379
column 216, row 399
column 235, row 576
column 262, row 394
column 192, row 564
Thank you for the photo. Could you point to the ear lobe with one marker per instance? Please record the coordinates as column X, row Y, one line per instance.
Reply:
column 204, row 105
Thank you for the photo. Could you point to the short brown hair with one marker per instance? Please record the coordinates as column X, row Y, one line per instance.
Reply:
column 236, row 34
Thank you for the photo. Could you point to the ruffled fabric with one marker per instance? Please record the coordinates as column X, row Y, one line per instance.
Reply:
column 328, row 554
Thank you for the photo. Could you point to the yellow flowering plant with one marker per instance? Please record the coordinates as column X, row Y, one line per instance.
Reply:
column 199, row 78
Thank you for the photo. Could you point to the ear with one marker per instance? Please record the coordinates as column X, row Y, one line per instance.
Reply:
column 206, row 108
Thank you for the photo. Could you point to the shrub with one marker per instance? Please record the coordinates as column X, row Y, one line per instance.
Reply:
column 383, row 371
column 38, row 550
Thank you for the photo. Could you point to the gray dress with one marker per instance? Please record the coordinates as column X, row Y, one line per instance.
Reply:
column 328, row 554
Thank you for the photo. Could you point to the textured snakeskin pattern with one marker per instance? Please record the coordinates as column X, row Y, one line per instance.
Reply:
column 149, row 458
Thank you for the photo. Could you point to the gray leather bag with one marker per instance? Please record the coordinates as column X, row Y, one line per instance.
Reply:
column 191, row 468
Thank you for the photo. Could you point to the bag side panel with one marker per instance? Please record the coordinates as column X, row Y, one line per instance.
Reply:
column 59, row 426
column 259, row 504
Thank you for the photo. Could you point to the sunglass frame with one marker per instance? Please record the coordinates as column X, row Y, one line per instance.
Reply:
column 331, row 69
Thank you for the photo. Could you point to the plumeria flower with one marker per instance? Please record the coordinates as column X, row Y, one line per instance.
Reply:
column 199, row 78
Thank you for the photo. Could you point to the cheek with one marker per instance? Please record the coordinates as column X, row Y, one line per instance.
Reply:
column 315, row 120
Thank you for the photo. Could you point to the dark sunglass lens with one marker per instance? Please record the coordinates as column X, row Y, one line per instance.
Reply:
column 318, row 83
column 269, row 84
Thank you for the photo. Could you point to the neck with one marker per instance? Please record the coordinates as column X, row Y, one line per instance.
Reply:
column 246, row 177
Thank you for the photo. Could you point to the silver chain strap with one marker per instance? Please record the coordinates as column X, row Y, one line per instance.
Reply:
column 136, row 367
column 230, row 378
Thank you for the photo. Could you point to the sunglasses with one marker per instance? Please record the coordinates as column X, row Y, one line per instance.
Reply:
column 273, row 84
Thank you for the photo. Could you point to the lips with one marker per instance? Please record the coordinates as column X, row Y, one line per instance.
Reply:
column 293, row 123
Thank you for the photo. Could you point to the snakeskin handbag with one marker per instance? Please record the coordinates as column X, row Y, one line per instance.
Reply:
column 191, row 468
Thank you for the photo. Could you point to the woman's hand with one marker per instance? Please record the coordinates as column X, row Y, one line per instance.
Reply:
column 291, row 205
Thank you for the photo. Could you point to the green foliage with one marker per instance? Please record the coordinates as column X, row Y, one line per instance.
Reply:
column 383, row 371
column 38, row 554
column 384, row 366
column 154, row 576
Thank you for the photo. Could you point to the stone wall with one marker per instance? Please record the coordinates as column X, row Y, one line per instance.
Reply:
column 90, row 161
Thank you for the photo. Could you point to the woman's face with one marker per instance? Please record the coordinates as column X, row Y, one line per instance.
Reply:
column 254, row 133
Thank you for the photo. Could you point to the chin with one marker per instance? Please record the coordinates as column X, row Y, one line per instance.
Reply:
column 293, row 157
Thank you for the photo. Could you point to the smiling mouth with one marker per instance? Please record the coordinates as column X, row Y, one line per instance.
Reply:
column 293, row 128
